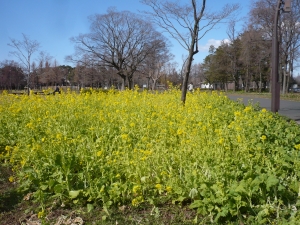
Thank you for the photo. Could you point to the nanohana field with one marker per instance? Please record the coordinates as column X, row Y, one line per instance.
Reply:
column 225, row 160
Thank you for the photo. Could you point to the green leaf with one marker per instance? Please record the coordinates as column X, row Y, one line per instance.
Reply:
column 179, row 199
column 241, row 188
column 295, row 186
column 59, row 188
column 51, row 183
column 28, row 170
column 223, row 212
column 44, row 187
column 195, row 221
column 89, row 207
column 255, row 184
column 196, row 204
column 73, row 194
column 281, row 187
column 271, row 181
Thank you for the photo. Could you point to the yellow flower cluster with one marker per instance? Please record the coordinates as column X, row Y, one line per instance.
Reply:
column 131, row 144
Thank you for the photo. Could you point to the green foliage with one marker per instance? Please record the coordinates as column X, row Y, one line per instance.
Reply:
column 226, row 161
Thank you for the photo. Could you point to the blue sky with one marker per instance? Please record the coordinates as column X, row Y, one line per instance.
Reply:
column 53, row 22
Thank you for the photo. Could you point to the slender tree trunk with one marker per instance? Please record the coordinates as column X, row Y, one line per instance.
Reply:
column 290, row 75
column 154, row 81
column 123, row 82
column 188, row 69
column 247, row 80
column 130, row 82
column 260, row 81
column 28, row 86
column 186, row 77
column 284, row 82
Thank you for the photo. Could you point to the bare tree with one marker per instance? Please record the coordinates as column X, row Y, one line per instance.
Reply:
column 172, row 74
column 155, row 62
column 23, row 51
column 254, row 57
column 261, row 17
column 174, row 17
column 58, row 75
column 155, row 74
column 233, row 53
column 196, row 75
column 11, row 75
column 44, row 64
column 121, row 40
column 290, row 37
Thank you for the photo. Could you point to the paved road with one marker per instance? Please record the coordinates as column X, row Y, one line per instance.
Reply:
column 290, row 109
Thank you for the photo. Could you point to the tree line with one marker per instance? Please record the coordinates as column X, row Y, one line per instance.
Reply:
column 245, row 60
column 123, row 49
column 49, row 74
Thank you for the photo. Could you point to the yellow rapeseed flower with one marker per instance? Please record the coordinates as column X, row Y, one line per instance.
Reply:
column 239, row 139
column 168, row 189
column 263, row 137
column 99, row 153
column 136, row 189
column 137, row 201
column 124, row 136
column 237, row 114
column 29, row 125
column 147, row 152
column 297, row 146
column 221, row 141
column 59, row 136
column 247, row 109
column 179, row 131
column 158, row 186
column 41, row 214
column 11, row 179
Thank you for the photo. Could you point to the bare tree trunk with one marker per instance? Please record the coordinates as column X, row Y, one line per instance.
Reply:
column 260, row 81
column 247, row 80
column 154, row 84
column 186, row 76
column 290, row 75
column 284, row 82
column 123, row 82
column 130, row 82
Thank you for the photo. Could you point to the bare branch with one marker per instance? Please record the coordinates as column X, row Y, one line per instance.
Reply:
column 182, row 21
column 23, row 51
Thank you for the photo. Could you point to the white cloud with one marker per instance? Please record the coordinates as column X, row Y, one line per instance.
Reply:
column 215, row 43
